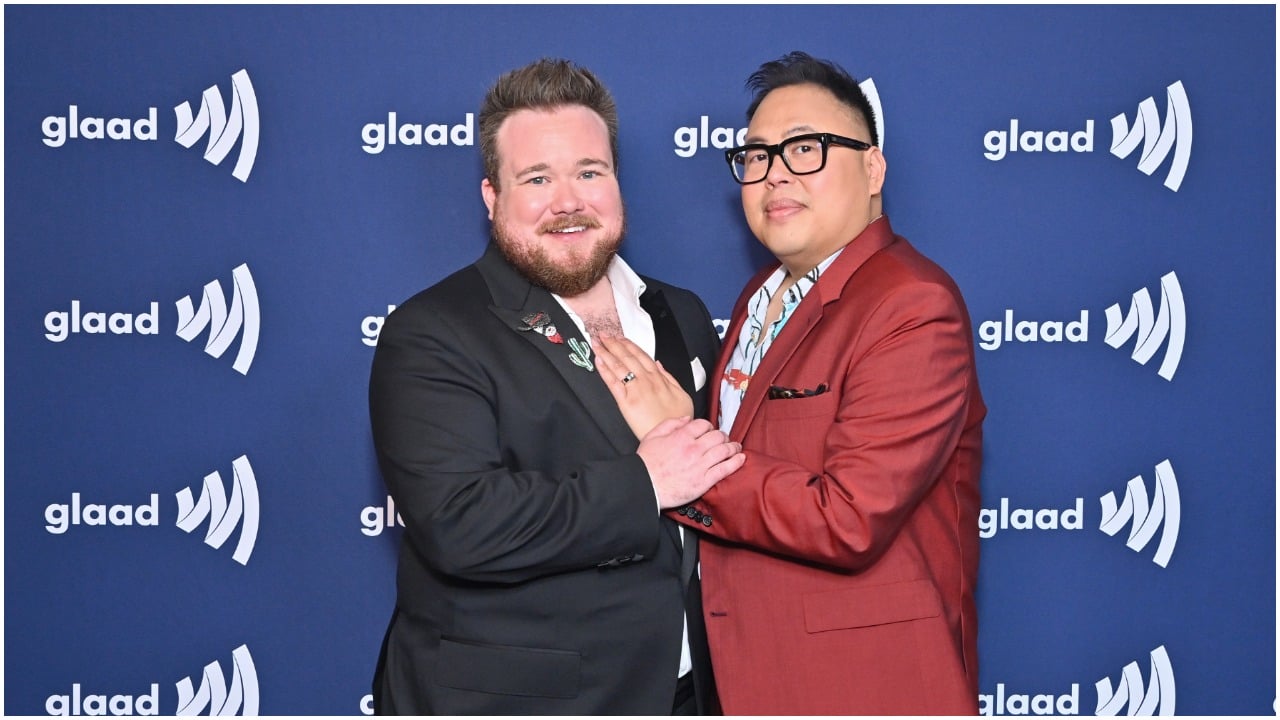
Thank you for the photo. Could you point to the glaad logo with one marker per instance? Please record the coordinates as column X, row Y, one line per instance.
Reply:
column 60, row 517
column 224, row 516
column 213, row 695
column 241, row 699
column 1129, row 698
column 1152, row 329
column 690, row 139
column 377, row 136
column 224, row 325
column 375, row 519
column 1156, row 141
column 371, row 327
column 1170, row 323
column 1005, row 517
column 1147, row 516
column 224, row 130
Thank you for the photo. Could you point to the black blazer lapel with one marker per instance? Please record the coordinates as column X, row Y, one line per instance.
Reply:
column 671, row 351
column 670, row 348
column 516, row 300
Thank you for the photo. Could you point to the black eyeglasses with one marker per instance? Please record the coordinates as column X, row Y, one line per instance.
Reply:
column 802, row 154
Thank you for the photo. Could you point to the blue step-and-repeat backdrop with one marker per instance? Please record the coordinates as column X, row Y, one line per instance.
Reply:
column 208, row 212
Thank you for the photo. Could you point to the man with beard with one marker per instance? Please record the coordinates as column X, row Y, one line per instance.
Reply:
column 537, row 574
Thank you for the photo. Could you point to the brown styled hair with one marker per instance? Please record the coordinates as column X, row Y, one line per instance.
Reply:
column 543, row 85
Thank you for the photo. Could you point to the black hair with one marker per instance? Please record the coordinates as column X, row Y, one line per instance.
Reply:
column 800, row 68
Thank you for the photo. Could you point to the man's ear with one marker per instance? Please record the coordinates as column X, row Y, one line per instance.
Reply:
column 876, row 169
column 490, row 195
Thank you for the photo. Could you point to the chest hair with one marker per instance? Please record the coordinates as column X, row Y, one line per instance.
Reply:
column 602, row 324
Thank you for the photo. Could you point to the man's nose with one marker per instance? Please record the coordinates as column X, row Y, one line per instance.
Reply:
column 778, row 172
column 566, row 199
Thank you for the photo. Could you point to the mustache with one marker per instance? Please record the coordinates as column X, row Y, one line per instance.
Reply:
column 569, row 221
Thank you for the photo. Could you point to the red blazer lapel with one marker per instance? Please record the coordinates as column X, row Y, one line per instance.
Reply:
column 877, row 236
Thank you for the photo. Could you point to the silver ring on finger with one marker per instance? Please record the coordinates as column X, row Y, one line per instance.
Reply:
column 628, row 378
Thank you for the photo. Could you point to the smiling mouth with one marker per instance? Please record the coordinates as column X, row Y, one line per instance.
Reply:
column 569, row 226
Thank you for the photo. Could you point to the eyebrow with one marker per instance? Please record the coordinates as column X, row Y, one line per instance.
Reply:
column 543, row 167
column 797, row 130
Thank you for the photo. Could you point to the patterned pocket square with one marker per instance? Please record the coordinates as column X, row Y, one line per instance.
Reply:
column 777, row 392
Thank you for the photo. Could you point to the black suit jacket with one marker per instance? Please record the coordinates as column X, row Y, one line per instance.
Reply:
column 536, row 574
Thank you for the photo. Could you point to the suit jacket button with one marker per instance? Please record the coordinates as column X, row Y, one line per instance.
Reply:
column 706, row 520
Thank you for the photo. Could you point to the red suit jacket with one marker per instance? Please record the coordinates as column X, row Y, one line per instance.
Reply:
column 839, row 564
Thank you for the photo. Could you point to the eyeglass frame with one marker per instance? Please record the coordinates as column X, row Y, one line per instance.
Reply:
column 825, row 140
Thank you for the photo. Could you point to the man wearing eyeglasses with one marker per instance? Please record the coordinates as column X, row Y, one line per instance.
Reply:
column 839, row 563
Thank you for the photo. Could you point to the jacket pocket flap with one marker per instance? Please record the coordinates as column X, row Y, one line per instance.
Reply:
column 869, row 606
column 508, row 670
